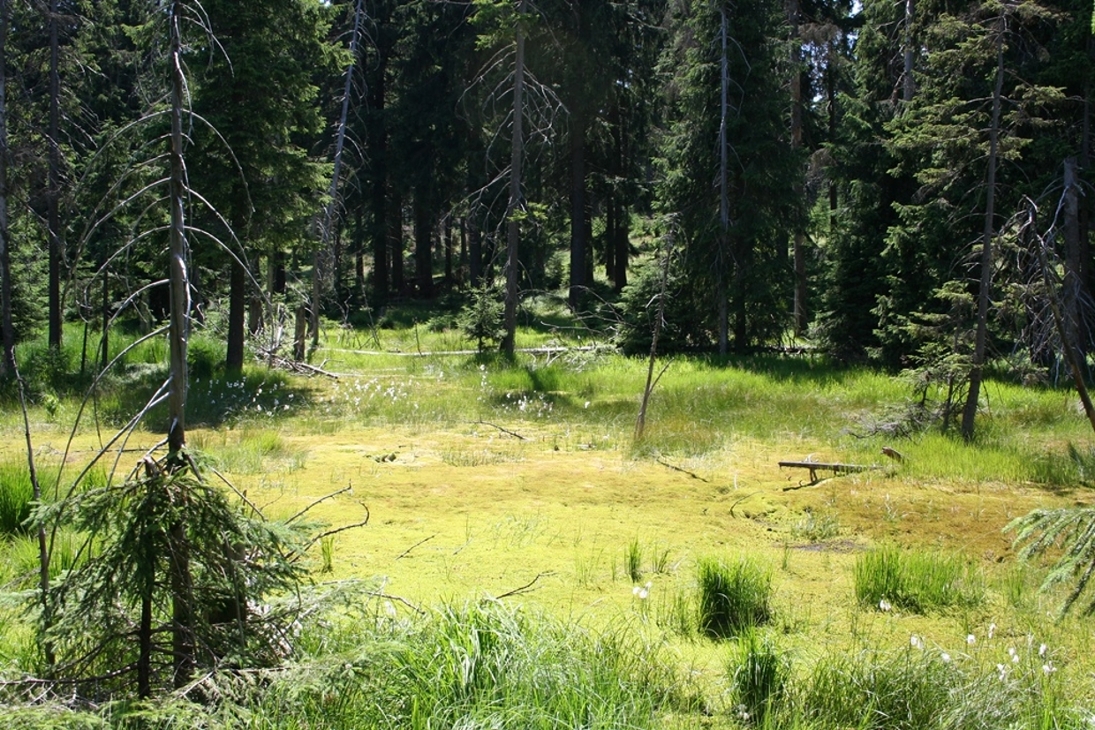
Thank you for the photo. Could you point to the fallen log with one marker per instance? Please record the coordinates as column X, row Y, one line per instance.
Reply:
column 816, row 466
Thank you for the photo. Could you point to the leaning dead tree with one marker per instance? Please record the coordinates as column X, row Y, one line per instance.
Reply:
column 333, row 202
column 659, row 320
column 1055, row 301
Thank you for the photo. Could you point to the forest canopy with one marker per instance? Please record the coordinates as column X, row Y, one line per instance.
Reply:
column 851, row 175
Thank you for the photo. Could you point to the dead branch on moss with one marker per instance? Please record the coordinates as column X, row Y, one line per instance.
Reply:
column 667, row 465
column 526, row 587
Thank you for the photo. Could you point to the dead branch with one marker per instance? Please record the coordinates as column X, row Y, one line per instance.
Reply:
column 407, row 552
column 503, row 430
column 347, row 488
column 296, row 366
column 667, row 465
column 329, row 533
column 525, row 588
column 739, row 500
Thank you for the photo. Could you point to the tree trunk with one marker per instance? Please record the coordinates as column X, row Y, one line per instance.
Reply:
column 423, row 244
column 448, row 251
column 7, row 328
column 1073, row 281
column 330, row 220
column 395, row 240
column 969, row 413
column 53, row 217
column 380, row 203
column 475, row 253
column 182, row 642
column 721, row 294
column 578, row 240
column 237, row 310
column 622, row 243
column 908, row 83
column 798, row 246
column 509, row 318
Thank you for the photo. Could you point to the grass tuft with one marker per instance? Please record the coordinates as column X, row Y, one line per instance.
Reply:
column 758, row 675
column 916, row 581
column 733, row 597
column 16, row 495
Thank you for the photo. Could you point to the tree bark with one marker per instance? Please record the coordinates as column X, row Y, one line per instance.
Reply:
column 7, row 328
column 182, row 642
column 53, row 217
column 721, row 293
column 578, row 240
column 798, row 246
column 395, row 240
column 423, row 244
column 908, row 83
column 509, row 317
column 969, row 413
column 237, row 311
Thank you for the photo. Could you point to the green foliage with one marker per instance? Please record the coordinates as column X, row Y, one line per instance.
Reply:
column 733, row 596
column 916, row 581
column 16, row 495
column 481, row 318
column 1069, row 530
column 759, row 674
column 235, row 563
column 633, row 561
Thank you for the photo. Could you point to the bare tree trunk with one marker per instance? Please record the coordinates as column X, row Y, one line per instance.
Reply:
column 53, row 217
column 509, row 318
column 1074, row 263
column 724, row 193
column 7, row 328
column 182, row 642
column 651, row 381
column 969, row 413
column 908, row 86
column 798, row 245
column 333, row 201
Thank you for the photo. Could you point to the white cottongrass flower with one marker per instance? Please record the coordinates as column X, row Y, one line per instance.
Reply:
column 971, row 640
column 1002, row 671
column 1042, row 650
column 992, row 630
column 1048, row 668
column 916, row 642
column 945, row 657
column 884, row 605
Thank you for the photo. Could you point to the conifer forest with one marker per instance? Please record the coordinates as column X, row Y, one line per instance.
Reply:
column 859, row 174
column 317, row 314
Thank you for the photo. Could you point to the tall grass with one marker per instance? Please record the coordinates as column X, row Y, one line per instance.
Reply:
column 733, row 596
column 759, row 674
column 477, row 666
column 16, row 495
column 916, row 581
column 926, row 689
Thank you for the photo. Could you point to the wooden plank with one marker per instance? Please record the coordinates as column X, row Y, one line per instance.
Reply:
column 812, row 465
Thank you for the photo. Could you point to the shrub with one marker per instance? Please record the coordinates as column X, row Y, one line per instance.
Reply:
column 732, row 596
column 481, row 319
